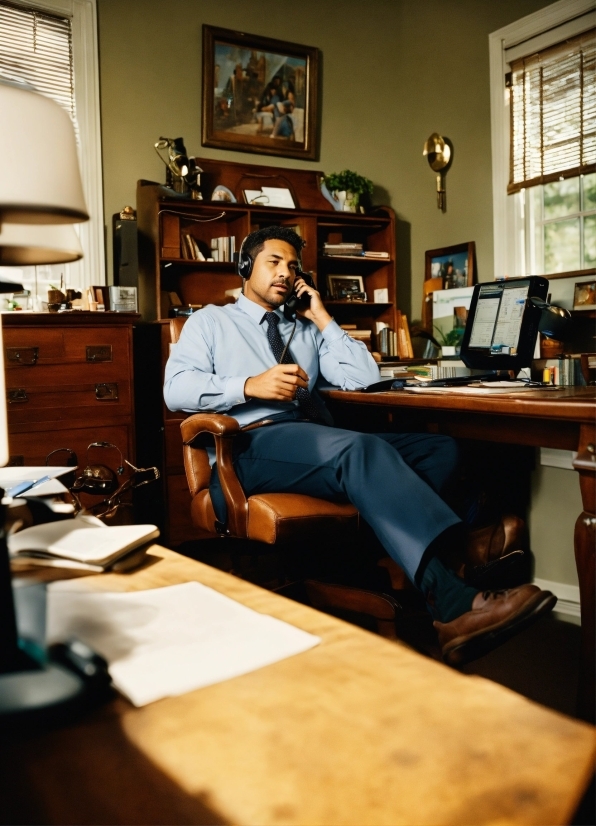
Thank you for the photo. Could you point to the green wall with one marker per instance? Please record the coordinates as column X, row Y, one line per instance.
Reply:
column 393, row 72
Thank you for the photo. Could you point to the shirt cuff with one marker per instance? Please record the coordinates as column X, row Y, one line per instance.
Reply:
column 332, row 332
column 234, row 391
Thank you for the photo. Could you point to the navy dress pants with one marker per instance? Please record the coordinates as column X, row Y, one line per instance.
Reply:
column 393, row 479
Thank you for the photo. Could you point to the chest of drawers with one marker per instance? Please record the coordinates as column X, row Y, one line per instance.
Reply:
column 69, row 382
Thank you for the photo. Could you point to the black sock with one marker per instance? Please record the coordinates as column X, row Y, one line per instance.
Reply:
column 447, row 596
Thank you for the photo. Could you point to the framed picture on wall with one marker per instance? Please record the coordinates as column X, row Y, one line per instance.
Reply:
column 259, row 94
column 455, row 266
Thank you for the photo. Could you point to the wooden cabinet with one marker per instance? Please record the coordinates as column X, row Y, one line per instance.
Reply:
column 69, row 382
column 165, row 270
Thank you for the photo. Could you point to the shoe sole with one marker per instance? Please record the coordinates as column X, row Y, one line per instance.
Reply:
column 463, row 650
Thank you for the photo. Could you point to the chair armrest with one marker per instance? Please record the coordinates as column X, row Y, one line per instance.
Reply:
column 223, row 429
column 214, row 423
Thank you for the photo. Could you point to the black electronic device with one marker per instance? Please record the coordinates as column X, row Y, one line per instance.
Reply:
column 126, row 257
column 502, row 324
column 293, row 304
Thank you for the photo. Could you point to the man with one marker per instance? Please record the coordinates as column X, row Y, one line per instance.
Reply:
column 235, row 360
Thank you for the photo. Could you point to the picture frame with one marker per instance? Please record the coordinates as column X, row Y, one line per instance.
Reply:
column 346, row 287
column 455, row 265
column 259, row 94
column 584, row 296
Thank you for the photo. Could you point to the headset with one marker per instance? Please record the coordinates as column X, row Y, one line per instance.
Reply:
column 244, row 266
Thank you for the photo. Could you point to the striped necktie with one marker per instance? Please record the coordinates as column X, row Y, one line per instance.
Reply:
column 307, row 404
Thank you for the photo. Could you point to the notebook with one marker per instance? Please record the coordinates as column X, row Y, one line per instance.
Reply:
column 83, row 542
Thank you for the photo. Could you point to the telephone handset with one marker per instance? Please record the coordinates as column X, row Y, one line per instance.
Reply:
column 293, row 303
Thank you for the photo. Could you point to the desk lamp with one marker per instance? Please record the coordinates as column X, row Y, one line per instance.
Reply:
column 40, row 192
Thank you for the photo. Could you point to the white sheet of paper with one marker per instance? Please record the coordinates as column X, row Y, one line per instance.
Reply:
column 279, row 197
column 11, row 476
column 167, row 641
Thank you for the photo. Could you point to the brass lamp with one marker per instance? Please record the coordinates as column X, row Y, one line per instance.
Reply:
column 439, row 153
column 182, row 172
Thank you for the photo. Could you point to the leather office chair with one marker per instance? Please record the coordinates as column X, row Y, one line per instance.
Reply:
column 272, row 518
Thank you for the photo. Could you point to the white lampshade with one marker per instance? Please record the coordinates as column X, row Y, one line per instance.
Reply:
column 26, row 244
column 40, row 182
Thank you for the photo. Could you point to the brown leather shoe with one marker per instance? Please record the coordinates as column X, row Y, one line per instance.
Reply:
column 495, row 617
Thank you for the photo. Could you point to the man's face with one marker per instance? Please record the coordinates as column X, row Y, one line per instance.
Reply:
column 273, row 274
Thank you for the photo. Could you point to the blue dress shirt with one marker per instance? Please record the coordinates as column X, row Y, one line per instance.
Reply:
column 221, row 347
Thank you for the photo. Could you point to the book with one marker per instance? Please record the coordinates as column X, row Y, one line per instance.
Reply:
column 84, row 543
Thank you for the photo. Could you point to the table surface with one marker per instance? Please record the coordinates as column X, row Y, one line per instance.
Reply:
column 358, row 730
column 576, row 404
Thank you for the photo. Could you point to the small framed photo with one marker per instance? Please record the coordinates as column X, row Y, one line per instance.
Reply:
column 346, row 287
column 259, row 94
column 584, row 296
column 455, row 266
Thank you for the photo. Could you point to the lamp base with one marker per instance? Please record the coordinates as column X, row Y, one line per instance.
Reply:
column 42, row 695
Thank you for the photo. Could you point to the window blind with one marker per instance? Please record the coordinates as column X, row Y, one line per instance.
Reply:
column 36, row 49
column 553, row 113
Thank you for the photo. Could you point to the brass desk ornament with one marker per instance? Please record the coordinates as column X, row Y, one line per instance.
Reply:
column 439, row 153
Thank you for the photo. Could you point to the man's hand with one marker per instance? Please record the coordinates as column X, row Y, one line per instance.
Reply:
column 277, row 384
column 316, row 312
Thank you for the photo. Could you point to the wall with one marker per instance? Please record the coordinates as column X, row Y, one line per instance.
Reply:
column 393, row 72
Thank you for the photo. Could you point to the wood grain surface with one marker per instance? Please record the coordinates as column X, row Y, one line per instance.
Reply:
column 358, row 730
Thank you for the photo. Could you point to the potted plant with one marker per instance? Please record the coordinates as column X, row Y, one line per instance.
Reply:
column 348, row 187
column 451, row 341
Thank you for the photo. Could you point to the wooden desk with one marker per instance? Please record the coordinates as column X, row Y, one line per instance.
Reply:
column 358, row 731
column 564, row 419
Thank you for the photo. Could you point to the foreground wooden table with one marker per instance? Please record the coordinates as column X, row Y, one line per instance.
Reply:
column 358, row 731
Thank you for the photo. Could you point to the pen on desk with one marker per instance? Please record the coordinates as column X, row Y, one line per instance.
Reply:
column 23, row 487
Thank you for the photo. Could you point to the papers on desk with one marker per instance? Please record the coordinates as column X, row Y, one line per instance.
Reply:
column 10, row 477
column 171, row 640
column 488, row 388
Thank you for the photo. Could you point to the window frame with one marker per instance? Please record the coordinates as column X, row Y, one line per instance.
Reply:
column 83, row 15
column 537, row 31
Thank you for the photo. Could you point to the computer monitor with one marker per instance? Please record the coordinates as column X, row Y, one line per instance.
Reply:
column 502, row 324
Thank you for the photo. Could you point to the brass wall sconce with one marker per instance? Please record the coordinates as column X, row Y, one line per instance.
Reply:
column 439, row 153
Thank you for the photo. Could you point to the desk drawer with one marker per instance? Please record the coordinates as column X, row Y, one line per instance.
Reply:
column 61, row 356
column 31, row 448
column 89, row 402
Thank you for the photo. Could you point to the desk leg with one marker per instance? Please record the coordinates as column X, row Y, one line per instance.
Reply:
column 585, row 536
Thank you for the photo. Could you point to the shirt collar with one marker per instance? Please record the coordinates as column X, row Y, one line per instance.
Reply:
column 255, row 311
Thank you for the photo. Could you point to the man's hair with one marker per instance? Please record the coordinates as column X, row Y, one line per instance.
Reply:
column 255, row 242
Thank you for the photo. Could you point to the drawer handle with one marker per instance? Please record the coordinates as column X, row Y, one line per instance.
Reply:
column 17, row 395
column 103, row 352
column 106, row 392
column 22, row 355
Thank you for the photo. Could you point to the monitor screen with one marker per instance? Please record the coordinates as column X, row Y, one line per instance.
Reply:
column 502, row 324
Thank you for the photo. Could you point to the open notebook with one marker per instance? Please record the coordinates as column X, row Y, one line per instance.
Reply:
column 83, row 542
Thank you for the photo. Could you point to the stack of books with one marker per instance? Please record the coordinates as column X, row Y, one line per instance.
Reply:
column 223, row 248
column 360, row 335
column 565, row 371
column 190, row 248
column 393, row 343
column 349, row 250
column 342, row 249
column 387, row 340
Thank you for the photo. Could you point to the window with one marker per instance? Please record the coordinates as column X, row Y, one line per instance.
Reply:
column 543, row 120
column 553, row 113
column 560, row 227
column 52, row 46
